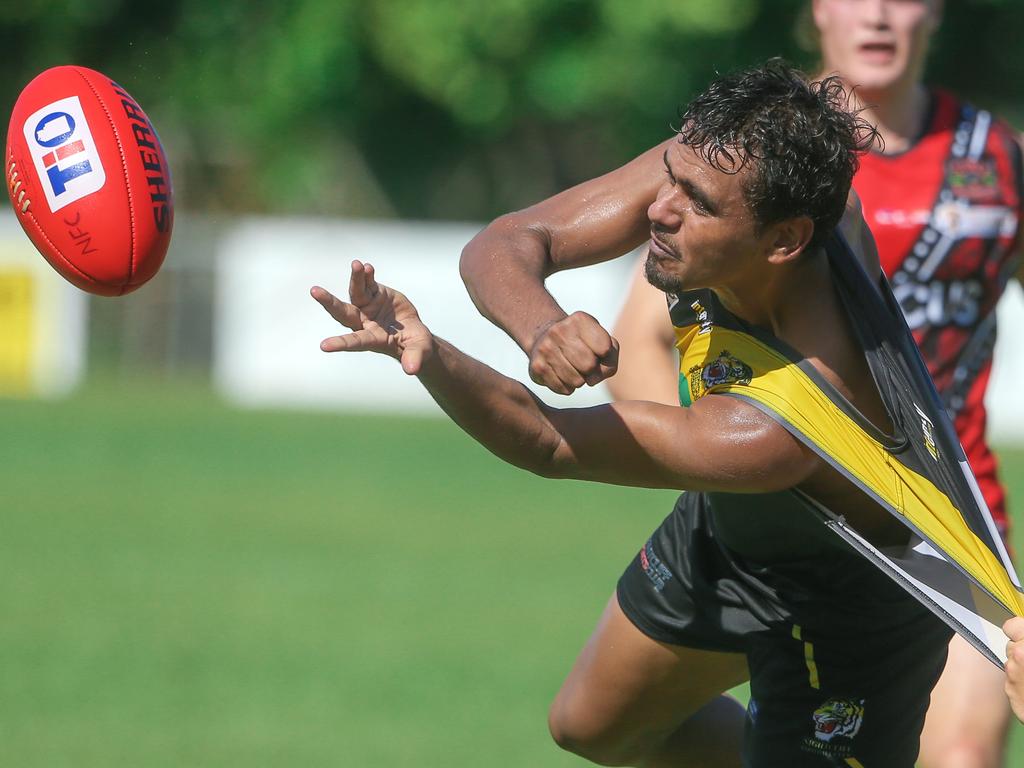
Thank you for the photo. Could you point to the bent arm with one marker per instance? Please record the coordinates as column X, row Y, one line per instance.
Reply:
column 505, row 265
column 717, row 444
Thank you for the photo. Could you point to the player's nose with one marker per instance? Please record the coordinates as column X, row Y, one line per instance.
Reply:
column 663, row 213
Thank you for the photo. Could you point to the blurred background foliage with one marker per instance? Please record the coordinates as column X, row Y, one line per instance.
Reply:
column 452, row 109
column 202, row 586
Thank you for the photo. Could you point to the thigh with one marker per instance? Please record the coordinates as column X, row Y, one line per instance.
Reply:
column 969, row 714
column 630, row 690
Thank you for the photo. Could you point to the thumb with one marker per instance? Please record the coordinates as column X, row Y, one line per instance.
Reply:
column 608, row 365
column 612, row 358
column 413, row 358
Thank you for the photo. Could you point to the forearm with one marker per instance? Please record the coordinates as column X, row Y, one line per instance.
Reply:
column 632, row 443
column 513, row 424
column 496, row 411
column 504, row 268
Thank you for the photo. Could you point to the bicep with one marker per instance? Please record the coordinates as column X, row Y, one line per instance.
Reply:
column 718, row 444
column 600, row 219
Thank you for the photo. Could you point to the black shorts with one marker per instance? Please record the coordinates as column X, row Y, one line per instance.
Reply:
column 842, row 661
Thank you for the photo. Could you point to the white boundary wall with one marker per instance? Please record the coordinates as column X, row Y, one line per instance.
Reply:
column 1004, row 397
column 267, row 328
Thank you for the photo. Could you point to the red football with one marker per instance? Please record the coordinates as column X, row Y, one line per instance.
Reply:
column 89, row 180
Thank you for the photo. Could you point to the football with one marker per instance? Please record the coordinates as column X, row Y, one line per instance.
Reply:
column 89, row 180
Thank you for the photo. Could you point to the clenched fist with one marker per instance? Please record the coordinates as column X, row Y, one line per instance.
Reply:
column 571, row 352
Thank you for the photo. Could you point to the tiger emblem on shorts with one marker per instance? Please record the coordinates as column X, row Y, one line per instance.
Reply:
column 838, row 717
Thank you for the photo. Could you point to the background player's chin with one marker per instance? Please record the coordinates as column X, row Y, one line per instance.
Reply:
column 875, row 77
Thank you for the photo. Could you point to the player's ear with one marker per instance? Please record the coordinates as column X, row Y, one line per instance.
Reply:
column 790, row 238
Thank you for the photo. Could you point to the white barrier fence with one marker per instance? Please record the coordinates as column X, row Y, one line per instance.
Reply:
column 266, row 329
column 1005, row 404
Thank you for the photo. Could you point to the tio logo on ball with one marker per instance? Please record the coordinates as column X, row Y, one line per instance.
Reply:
column 63, row 152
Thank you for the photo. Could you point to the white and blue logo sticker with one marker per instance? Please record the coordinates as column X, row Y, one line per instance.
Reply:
column 64, row 152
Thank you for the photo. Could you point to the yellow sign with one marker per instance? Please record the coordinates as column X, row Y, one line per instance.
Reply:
column 17, row 331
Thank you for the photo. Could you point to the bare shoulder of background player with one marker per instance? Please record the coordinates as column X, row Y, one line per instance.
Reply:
column 859, row 236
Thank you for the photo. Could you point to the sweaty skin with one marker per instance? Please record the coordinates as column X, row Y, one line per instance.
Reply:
column 505, row 265
column 879, row 46
column 630, row 699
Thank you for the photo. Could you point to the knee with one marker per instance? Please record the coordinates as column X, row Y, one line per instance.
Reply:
column 580, row 733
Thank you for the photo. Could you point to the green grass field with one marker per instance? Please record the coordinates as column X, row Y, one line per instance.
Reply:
column 186, row 584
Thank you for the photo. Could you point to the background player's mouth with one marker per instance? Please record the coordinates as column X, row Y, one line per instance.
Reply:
column 877, row 52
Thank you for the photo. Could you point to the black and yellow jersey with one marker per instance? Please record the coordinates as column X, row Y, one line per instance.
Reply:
column 955, row 562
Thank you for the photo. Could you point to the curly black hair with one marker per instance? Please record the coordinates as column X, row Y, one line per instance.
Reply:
column 800, row 138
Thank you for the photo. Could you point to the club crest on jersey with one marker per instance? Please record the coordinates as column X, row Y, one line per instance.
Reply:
column 974, row 180
column 63, row 152
column 724, row 369
column 836, row 723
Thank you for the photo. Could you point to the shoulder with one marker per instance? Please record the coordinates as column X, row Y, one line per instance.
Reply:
column 979, row 118
column 996, row 138
column 1008, row 138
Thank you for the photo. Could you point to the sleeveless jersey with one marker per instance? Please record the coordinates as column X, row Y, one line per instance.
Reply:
column 946, row 217
column 955, row 563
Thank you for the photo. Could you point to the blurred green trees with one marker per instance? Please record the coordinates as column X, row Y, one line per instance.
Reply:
column 435, row 108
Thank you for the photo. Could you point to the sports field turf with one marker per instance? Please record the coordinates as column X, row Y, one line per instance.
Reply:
column 186, row 584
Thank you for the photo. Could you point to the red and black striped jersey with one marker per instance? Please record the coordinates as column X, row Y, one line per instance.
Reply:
column 946, row 216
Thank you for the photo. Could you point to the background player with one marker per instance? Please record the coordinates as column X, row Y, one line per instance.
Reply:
column 942, row 198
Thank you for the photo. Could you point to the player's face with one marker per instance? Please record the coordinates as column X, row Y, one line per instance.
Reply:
column 703, row 234
column 876, row 44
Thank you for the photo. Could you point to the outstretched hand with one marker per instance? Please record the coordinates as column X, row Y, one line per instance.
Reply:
column 381, row 320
